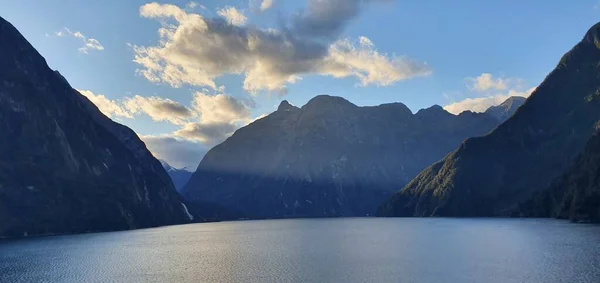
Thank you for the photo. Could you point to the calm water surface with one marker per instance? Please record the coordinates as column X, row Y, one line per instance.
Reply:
column 316, row 250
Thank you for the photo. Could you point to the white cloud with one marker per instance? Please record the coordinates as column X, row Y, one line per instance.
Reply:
column 90, row 44
column 266, row 4
column 481, row 104
column 159, row 109
column 368, row 65
column 233, row 16
column 177, row 152
column 109, row 107
column 194, row 50
column 486, row 81
column 220, row 108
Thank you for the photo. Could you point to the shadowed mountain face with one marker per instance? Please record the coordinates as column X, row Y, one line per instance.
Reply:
column 64, row 166
column 328, row 158
column 489, row 175
column 575, row 195
column 180, row 177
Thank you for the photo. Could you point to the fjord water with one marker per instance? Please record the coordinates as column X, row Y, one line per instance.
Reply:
column 316, row 250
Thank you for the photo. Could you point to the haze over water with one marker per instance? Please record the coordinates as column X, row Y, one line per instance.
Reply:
column 316, row 250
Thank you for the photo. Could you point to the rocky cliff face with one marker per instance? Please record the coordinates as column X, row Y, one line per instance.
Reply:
column 65, row 167
column 490, row 175
column 328, row 158
column 503, row 111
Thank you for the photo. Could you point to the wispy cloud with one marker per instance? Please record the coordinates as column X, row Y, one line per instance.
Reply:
column 194, row 50
column 90, row 44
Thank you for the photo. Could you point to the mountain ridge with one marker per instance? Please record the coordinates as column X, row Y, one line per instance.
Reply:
column 485, row 176
column 327, row 158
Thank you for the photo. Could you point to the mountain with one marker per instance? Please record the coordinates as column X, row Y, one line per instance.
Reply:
column 328, row 158
column 575, row 195
column 490, row 175
column 180, row 177
column 503, row 111
column 64, row 166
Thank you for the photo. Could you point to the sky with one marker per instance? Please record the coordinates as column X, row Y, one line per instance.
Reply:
column 185, row 75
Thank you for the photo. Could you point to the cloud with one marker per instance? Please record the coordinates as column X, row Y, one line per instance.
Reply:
column 266, row 4
column 210, row 119
column 159, row 109
column 219, row 116
column 368, row 65
column 191, row 5
column 220, row 108
column 486, row 82
column 177, row 152
column 90, row 44
column 109, row 107
column 481, row 104
column 206, row 133
column 233, row 16
column 194, row 50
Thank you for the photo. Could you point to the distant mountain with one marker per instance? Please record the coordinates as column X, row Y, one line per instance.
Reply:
column 64, row 166
column 491, row 175
column 503, row 111
column 328, row 158
column 180, row 177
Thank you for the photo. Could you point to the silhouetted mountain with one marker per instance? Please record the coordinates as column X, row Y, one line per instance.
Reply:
column 64, row 166
column 328, row 158
column 490, row 175
column 503, row 111
column 180, row 177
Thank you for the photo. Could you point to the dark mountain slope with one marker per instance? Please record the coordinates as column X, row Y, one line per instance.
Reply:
column 575, row 195
column 65, row 167
column 328, row 158
column 489, row 175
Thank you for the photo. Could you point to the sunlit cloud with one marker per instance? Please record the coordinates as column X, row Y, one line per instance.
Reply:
column 194, row 50
column 233, row 16
column 108, row 107
column 266, row 4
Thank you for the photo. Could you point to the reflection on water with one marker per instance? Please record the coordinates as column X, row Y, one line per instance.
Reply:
column 316, row 250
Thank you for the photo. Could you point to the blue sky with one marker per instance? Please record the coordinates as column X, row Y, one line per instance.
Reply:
column 420, row 53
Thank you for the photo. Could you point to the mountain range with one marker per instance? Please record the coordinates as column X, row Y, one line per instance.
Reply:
column 499, row 173
column 329, row 157
column 67, row 168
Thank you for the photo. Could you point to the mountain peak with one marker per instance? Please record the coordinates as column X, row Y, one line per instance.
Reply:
column 285, row 106
column 328, row 101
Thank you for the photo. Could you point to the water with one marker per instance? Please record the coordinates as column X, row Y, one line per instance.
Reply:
column 316, row 250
